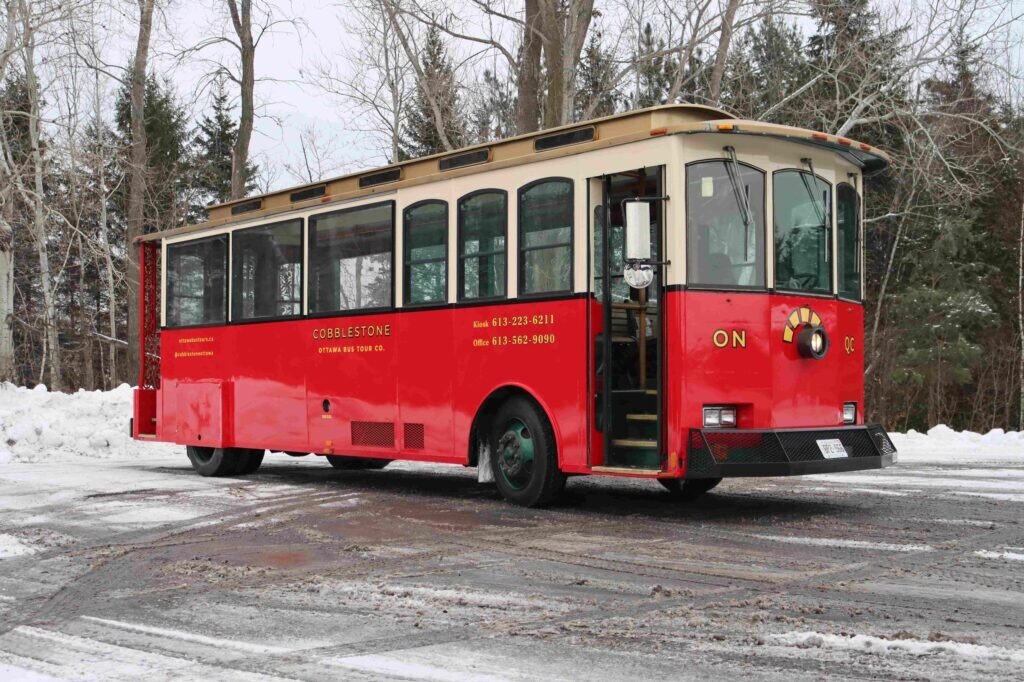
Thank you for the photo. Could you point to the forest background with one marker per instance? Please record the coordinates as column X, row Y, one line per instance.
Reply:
column 123, row 117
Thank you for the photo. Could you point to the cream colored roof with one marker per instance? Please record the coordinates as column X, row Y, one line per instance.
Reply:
column 669, row 119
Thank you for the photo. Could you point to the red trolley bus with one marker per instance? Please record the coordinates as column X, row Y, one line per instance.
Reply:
column 670, row 293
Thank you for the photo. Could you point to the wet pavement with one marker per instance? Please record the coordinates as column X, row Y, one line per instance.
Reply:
column 120, row 570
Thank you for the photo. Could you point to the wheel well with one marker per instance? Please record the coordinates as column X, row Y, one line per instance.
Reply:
column 485, row 413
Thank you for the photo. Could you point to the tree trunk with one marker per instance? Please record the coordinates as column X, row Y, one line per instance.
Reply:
column 528, row 81
column 36, row 200
column 242, row 20
column 110, row 371
column 1020, row 314
column 137, row 178
column 724, row 40
column 577, row 25
column 6, row 295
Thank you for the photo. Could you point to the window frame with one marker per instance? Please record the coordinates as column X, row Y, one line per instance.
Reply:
column 406, row 279
column 859, row 248
column 308, row 255
column 227, row 281
column 520, row 243
column 833, row 287
column 765, row 231
column 460, row 297
column 302, row 268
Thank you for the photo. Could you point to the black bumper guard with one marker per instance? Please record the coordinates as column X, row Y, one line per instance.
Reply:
column 721, row 453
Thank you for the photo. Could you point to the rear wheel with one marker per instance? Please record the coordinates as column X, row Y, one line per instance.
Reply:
column 524, row 455
column 687, row 489
column 250, row 462
column 220, row 461
column 356, row 463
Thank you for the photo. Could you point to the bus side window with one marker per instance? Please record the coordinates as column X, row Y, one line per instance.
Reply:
column 350, row 256
column 266, row 271
column 545, row 236
column 425, row 240
column 848, row 226
column 197, row 283
column 483, row 223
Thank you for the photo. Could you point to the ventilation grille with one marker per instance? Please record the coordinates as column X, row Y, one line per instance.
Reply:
column 563, row 139
column 373, row 434
column 467, row 159
column 309, row 193
column 413, row 437
column 247, row 206
column 391, row 175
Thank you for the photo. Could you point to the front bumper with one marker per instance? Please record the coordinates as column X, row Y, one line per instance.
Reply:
column 721, row 453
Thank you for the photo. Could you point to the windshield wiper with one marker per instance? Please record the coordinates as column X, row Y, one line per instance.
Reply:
column 821, row 211
column 732, row 169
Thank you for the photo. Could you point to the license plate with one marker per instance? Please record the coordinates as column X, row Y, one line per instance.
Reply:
column 831, row 448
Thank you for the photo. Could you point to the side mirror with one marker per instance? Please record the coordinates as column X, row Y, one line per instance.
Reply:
column 638, row 230
column 638, row 272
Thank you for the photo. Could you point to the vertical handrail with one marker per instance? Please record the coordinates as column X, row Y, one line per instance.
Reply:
column 143, row 360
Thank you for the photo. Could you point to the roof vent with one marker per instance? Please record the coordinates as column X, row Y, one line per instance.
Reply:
column 307, row 193
column 461, row 160
column 247, row 206
column 390, row 175
column 564, row 139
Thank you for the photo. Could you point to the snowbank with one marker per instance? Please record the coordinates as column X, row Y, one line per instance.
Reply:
column 37, row 425
column 943, row 445
column 882, row 646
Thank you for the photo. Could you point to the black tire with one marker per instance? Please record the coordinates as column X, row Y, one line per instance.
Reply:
column 687, row 489
column 216, row 461
column 520, row 429
column 356, row 463
column 249, row 463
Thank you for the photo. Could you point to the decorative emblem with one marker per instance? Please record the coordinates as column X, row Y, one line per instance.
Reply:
column 804, row 326
column 798, row 318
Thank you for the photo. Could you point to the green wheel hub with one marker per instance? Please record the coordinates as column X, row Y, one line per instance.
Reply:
column 515, row 455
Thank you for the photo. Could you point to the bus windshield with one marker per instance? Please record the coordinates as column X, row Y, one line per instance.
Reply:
column 802, row 232
column 725, row 219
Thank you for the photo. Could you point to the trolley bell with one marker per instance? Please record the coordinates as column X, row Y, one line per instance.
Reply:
column 639, row 270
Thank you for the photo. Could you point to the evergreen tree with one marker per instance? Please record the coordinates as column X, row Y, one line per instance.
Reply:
column 421, row 136
column 493, row 115
column 595, row 92
column 167, row 154
column 654, row 74
column 214, row 140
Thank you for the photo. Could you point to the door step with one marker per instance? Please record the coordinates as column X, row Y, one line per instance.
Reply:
column 631, row 471
column 642, row 417
column 634, row 443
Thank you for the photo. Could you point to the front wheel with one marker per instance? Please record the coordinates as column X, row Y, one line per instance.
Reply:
column 223, row 461
column 524, row 455
column 687, row 489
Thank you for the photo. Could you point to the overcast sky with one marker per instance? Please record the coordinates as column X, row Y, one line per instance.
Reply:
column 286, row 103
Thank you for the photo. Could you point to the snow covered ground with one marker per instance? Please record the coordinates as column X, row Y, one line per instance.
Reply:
column 116, row 562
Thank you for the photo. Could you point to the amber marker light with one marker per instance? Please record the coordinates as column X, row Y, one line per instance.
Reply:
column 658, row 131
column 726, row 127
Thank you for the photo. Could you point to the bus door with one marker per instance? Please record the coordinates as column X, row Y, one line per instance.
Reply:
column 625, row 327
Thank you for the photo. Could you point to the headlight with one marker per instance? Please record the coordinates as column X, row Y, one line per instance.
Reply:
column 719, row 416
column 812, row 342
column 849, row 413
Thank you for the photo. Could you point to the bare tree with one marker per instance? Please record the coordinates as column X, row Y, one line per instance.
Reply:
column 241, row 19
column 370, row 75
column 30, row 20
column 6, row 212
column 137, row 173
column 722, row 54
column 1020, row 314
